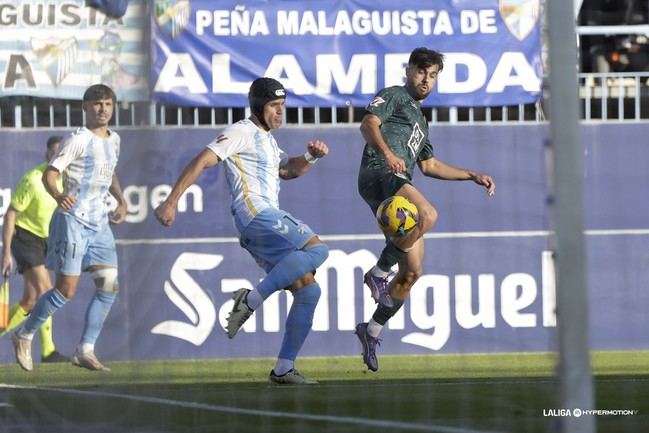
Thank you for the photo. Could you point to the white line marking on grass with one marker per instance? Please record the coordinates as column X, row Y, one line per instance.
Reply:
column 254, row 412
column 377, row 236
column 449, row 382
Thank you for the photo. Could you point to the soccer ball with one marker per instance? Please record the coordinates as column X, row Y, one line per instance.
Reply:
column 397, row 216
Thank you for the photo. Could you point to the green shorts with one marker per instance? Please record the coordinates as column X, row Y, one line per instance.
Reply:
column 377, row 185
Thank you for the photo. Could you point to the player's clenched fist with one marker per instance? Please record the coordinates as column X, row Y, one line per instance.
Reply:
column 317, row 148
column 166, row 213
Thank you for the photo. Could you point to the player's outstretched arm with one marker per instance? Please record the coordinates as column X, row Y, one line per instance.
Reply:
column 298, row 165
column 440, row 170
column 166, row 212
column 119, row 214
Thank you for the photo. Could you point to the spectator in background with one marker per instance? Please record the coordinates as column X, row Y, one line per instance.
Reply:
column 615, row 52
column 24, row 234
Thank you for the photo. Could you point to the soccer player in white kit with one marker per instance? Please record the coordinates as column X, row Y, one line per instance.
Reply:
column 80, row 237
column 285, row 247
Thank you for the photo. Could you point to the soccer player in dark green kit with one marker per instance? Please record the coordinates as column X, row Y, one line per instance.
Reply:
column 396, row 133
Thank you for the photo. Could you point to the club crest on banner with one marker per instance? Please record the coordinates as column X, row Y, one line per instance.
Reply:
column 520, row 16
column 58, row 56
column 172, row 16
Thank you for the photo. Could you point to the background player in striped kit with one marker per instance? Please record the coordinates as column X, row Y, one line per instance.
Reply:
column 80, row 236
column 285, row 247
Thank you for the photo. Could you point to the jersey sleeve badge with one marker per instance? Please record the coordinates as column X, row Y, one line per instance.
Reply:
column 376, row 101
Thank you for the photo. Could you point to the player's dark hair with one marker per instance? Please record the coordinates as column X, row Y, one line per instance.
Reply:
column 423, row 57
column 97, row 92
column 262, row 91
column 54, row 140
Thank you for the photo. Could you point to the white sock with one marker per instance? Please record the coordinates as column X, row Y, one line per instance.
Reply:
column 378, row 272
column 85, row 347
column 24, row 335
column 373, row 328
column 254, row 299
column 283, row 366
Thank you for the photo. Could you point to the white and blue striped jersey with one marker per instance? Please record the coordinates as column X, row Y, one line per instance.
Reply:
column 252, row 159
column 87, row 163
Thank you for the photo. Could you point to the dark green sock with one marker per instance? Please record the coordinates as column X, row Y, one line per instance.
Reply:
column 383, row 313
column 390, row 256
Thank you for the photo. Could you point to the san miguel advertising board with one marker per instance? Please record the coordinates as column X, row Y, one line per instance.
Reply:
column 488, row 280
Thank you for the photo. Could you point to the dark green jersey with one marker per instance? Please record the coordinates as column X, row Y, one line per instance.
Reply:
column 404, row 129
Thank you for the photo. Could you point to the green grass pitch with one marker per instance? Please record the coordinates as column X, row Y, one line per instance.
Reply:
column 435, row 393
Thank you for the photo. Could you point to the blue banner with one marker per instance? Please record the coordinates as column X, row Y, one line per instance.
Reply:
column 342, row 52
column 488, row 275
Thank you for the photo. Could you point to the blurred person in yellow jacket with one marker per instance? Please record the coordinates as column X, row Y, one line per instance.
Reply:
column 24, row 234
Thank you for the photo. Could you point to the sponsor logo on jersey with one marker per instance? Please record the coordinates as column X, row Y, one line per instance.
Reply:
column 415, row 139
column 376, row 102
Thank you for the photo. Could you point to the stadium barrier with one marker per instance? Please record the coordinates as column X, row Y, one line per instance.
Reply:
column 604, row 97
column 488, row 281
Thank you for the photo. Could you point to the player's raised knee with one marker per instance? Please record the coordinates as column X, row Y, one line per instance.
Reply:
column 308, row 294
column 317, row 253
column 105, row 280
column 427, row 217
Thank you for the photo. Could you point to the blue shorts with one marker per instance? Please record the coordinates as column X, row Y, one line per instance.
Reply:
column 72, row 247
column 272, row 235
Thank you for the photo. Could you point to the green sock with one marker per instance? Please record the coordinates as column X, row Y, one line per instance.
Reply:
column 47, row 344
column 17, row 315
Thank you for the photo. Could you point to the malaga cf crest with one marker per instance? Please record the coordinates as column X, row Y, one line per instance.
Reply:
column 520, row 16
column 57, row 56
column 172, row 16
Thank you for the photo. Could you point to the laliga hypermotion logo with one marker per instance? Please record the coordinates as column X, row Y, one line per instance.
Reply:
column 172, row 16
column 520, row 16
